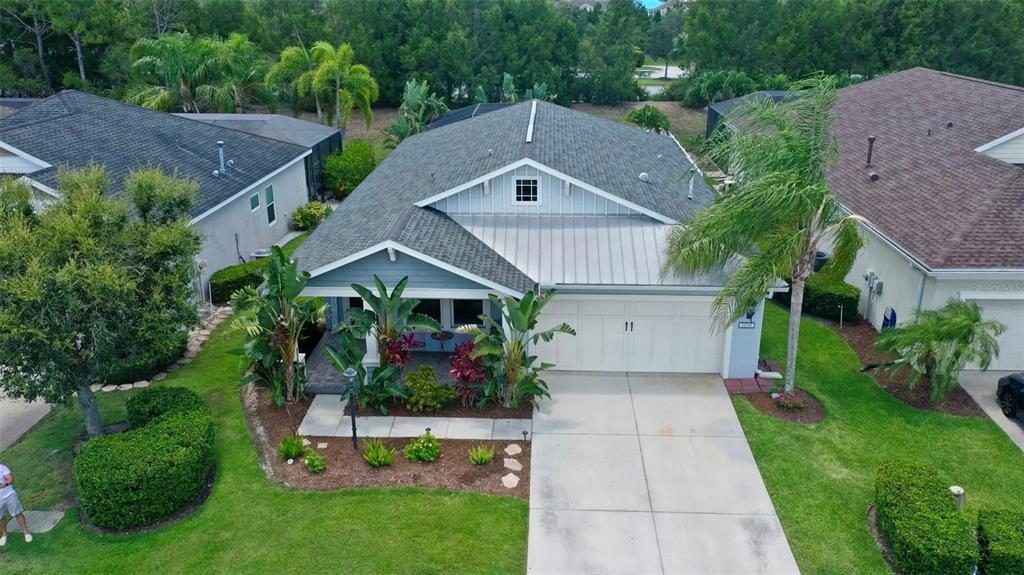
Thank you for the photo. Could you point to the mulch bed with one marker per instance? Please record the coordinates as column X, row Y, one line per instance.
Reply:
column 861, row 337
column 811, row 412
column 880, row 540
column 346, row 468
column 456, row 409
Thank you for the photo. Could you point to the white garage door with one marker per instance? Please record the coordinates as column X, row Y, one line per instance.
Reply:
column 1011, row 343
column 652, row 334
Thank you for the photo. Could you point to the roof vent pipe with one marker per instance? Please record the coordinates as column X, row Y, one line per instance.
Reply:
column 871, row 150
column 644, row 177
column 220, row 154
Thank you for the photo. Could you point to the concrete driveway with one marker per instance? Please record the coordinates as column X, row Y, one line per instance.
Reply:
column 647, row 474
column 981, row 385
column 18, row 416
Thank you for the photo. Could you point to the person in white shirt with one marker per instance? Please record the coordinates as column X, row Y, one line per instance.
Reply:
column 10, row 505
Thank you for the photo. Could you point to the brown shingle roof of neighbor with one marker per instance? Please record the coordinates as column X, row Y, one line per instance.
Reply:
column 938, row 199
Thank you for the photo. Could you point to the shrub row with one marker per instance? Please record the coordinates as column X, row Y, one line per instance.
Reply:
column 1001, row 536
column 155, row 402
column 927, row 532
column 161, row 352
column 227, row 281
column 145, row 475
column 823, row 297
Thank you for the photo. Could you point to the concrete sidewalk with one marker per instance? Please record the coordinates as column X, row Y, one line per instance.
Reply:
column 647, row 474
column 981, row 385
column 18, row 416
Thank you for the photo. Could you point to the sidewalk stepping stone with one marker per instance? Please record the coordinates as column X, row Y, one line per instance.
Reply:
column 142, row 383
column 108, row 388
column 172, row 368
column 38, row 521
column 513, row 464
column 189, row 354
column 95, row 387
column 186, row 359
column 160, row 376
column 513, row 449
column 510, row 481
column 321, row 445
column 306, row 442
column 125, row 387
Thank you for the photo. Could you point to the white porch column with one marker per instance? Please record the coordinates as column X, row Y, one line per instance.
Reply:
column 372, row 358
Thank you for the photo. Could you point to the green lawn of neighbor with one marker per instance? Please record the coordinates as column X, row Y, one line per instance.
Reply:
column 821, row 476
column 250, row 525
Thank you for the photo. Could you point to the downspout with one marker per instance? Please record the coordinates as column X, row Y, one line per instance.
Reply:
column 920, row 293
column 238, row 251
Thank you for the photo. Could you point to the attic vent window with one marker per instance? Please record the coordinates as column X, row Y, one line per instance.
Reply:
column 527, row 191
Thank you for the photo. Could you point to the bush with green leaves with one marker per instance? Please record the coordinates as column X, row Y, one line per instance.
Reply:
column 424, row 449
column 291, row 447
column 919, row 517
column 347, row 169
column 163, row 350
column 826, row 297
column 378, row 454
column 425, row 393
column 1001, row 536
column 228, row 280
column 649, row 118
column 315, row 462
column 145, row 475
column 481, row 454
column 309, row 216
column 153, row 403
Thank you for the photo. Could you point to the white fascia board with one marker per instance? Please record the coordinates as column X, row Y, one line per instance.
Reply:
column 251, row 187
column 416, row 293
column 999, row 140
column 990, row 295
column 25, row 155
column 563, row 176
column 391, row 245
column 41, row 187
column 637, row 289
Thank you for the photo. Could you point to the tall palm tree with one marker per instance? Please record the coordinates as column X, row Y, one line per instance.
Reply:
column 296, row 68
column 939, row 343
column 780, row 212
column 238, row 68
column 168, row 69
column 349, row 85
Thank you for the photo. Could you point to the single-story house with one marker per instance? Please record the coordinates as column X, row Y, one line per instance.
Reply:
column 718, row 112
column 510, row 202
column 935, row 162
column 320, row 140
column 248, row 185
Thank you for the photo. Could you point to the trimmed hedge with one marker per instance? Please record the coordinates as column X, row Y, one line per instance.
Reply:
column 160, row 353
column 227, row 281
column 154, row 402
column 145, row 475
column 1001, row 535
column 928, row 533
column 823, row 296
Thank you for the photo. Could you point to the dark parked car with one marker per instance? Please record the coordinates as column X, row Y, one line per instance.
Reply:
column 1010, row 393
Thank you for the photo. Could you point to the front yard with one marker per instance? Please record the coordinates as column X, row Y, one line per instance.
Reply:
column 821, row 476
column 250, row 525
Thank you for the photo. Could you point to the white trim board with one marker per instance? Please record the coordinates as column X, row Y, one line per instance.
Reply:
column 389, row 244
column 41, row 187
column 549, row 170
column 250, row 187
column 24, row 155
column 990, row 295
column 1002, row 139
column 408, row 293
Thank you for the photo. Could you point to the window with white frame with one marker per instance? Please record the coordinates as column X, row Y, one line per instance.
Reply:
column 452, row 313
column 527, row 191
column 268, row 198
column 430, row 308
column 254, row 201
column 467, row 312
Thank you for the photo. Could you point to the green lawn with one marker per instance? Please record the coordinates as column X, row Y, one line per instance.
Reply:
column 249, row 525
column 821, row 476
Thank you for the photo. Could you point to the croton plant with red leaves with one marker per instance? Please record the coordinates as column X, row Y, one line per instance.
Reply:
column 467, row 371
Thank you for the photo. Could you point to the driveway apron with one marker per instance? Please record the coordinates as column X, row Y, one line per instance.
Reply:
column 640, row 473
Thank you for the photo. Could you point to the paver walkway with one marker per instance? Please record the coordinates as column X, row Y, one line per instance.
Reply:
column 647, row 474
column 325, row 419
column 981, row 385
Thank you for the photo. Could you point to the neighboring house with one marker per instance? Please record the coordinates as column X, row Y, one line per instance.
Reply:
column 466, row 112
column 245, row 198
column 942, row 187
column 9, row 106
column 320, row 140
column 530, row 197
column 718, row 111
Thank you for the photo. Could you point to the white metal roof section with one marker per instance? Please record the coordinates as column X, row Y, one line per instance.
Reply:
column 583, row 250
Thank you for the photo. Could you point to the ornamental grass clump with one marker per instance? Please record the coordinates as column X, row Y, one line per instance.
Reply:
column 481, row 454
column 378, row 454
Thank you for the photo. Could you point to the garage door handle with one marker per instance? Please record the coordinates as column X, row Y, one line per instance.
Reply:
column 625, row 326
column 630, row 326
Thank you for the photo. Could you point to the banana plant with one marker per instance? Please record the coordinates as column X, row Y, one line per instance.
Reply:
column 382, row 386
column 504, row 348
column 272, row 317
column 386, row 317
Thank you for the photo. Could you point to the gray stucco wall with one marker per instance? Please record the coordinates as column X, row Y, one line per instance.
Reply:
column 219, row 228
column 745, row 346
column 421, row 274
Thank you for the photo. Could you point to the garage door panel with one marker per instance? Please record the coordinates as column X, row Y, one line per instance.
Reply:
column 603, row 307
column 1011, row 341
column 563, row 350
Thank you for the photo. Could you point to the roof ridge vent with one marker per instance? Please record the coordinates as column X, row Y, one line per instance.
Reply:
column 529, row 129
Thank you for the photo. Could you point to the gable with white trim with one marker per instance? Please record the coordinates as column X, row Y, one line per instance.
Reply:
column 556, row 196
column 1009, row 148
column 361, row 271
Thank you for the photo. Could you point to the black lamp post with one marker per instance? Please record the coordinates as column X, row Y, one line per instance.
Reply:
column 350, row 375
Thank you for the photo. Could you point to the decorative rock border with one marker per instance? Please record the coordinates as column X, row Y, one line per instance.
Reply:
column 196, row 340
column 511, row 480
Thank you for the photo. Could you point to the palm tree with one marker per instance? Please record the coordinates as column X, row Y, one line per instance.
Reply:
column 168, row 69
column 780, row 212
column 649, row 118
column 272, row 317
column 349, row 85
column 296, row 68
column 238, row 69
column 939, row 343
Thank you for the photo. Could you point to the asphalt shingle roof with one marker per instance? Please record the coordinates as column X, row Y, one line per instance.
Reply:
column 273, row 126
column 599, row 152
column 74, row 129
column 947, row 205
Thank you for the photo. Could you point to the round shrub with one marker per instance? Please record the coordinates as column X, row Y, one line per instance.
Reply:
column 347, row 169
column 145, row 475
column 310, row 215
column 155, row 402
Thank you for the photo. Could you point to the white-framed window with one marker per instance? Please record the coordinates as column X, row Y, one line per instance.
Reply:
column 268, row 199
column 452, row 313
column 254, row 201
column 527, row 191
